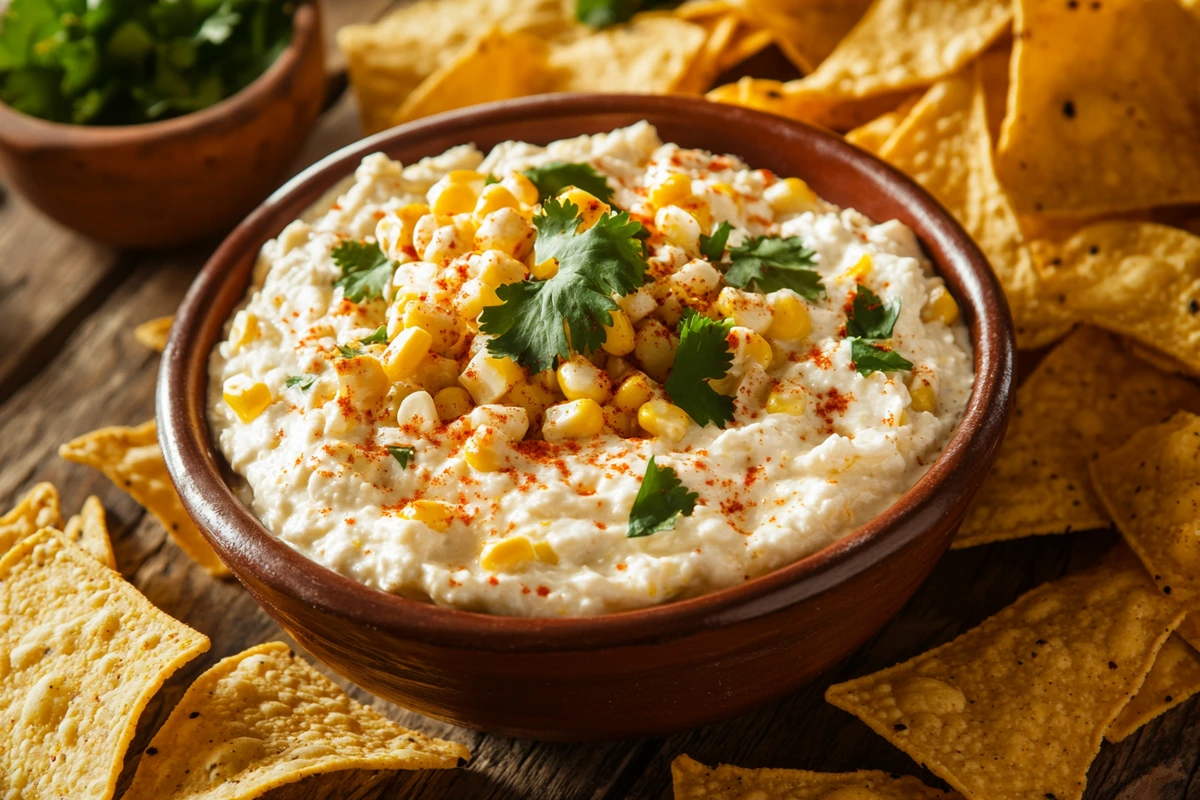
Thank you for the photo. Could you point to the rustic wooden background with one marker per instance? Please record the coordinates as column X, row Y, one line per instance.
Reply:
column 69, row 363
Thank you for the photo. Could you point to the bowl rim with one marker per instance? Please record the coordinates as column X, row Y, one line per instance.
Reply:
column 192, row 460
column 306, row 26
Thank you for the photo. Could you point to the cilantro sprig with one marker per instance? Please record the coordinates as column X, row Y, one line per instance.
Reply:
column 661, row 499
column 304, row 381
column 606, row 259
column 603, row 13
column 871, row 320
column 702, row 355
column 404, row 454
column 713, row 247
column 771, row 263
column 378, row 337
column 365, row 270
column 349, row 351
column 551, row 178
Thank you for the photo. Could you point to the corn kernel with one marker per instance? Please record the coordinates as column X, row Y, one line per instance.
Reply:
column 362, row 381
column 577, row 419
column 578, row 378
column 591, row 208
column 790, row 196
column 436, row 373
column 474, row 297
column 545, row 270
column 622, row 423
column 488, row 378
column 446, row 244
column 637, row 305
column 448, row 197
column 660, row 418
column 434, row 513
column 485, row 450
column 512, row 421
column 497, row 268
column 619, row 336
column 244, row 330
column 507, row 231
column 634, row 392
column 860, row 269
column 749, row 348
column 248, row 398
column 747, row 309
column 789, row 317
column 395, row 231
column 941, row 306
column 521, row 187
column 545, row 553
column 787, row 398
column 445, row 330
column 507, row 554
column 493, row 198
column 923, row 398
column 671, row 190
column 418, row 413
column 617, row 367
column 679, row 227
column 405, row 353
column 465, row 176
column 424, row 228
column 452, row 403
column 654, row 349
column 533, row 397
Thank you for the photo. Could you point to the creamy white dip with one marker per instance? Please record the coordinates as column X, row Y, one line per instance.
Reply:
column 772, row 487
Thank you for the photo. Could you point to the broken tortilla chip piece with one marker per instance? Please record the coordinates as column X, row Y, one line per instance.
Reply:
column 1085, row 398
column 1017, row 707
column 131, row 458
column 1088, row 133
column 1138, row 279
column 1151, row 487
column 89, row 530
column 650, row 54
column 154, row 333
column 694, row 781
column 265, row 718
column 37, row 509
column 1173, row 679
column 83, row 652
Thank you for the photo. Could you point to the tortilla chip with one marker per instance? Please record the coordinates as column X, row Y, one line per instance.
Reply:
column 874, row 135
column 694, row 780
column 131, row 458
column 1174, row 678
column 89, row 530
column 707, row 63
column 82, row 653
column 1017, row 707
column 153, row 333
column 650, row 54
column 786, row 100
column 1089, row 133
column 748, row 40
column 265, row 718
column 1151, row 487
column 807, row 31
column 1138, row 279
column 1085, row 398
column 495, row 66
column 944, row 144
column 388, row 60
column 37, row 509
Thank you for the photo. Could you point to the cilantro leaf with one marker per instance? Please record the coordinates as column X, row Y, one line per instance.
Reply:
column 365, row 270
column 713, row 247
column 702, row 355
column 661, row 498
column 603, row 13
column 305, row 381
column 550, row 179
column 770, row 263
column 873, row 357
column 347, row 351
column 378, row 337
column 870, row 317
column 604, row 260
column 405, row 454
column 490, row 179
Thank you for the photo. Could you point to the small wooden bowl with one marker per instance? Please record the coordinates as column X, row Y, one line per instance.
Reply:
column 182, row 179
column 636, row 673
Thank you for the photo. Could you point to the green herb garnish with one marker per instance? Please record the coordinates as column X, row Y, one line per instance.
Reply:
column 550, row 179
column 771, row 263
column 702, row 355
column 305, row 381
column 603, row 13
column 871, row 357
column 870, row 320
column 713, row 247
column 365, row 270
column 349, row 351
column 378, row 337
column 660, row 500
column 606, row 259
column 404, row 454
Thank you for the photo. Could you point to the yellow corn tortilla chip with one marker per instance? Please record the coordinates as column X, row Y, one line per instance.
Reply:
column 1138, row 279
column 694, row 780
column 786, row 100
column 389, row 59
column 1173, row 679
column 1151, row 487
column 872, row 136
column 37, row 509
column 131, row 458
column 944, row 144
column 747, row 41
column 1089, row 133
column 807, row 31
column 650, row 54
column 154, row 333
column 265, row 718
column 495, row 66
column 1189, row 630
column 82, row 653
column 89, row 530
column 1085, row 398
column 1017, row 707
column 706, row 65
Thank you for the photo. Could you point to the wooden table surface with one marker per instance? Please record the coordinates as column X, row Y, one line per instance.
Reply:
column 69, row 364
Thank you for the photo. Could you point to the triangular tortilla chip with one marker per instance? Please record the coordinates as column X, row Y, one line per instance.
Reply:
column 1173, row 679
column 706, row 65
column 786, row 100
column 1085, row 398
column 1138, row 279
column 806, row 31
column 875, row 134
column 82, row 653
column 154, row 333
column 1017, row 707
column 694, row 781
column 265, row 718
column 1089, row 132
column 1151, row 487
column 131, row 458
column 89, row 530
column 650, row 54
column 37, row 509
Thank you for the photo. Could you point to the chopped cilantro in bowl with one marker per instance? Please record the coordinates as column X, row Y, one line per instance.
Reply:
column 124, row 62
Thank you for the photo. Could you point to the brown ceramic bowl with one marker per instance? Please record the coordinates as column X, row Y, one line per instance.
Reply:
column 635, row 673
column 182, row 179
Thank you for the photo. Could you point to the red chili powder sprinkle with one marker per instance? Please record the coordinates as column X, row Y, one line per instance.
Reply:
column 543, row 591
column 492, row 580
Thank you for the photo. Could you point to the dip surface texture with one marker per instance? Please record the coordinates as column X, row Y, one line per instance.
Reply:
column 417, row 463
